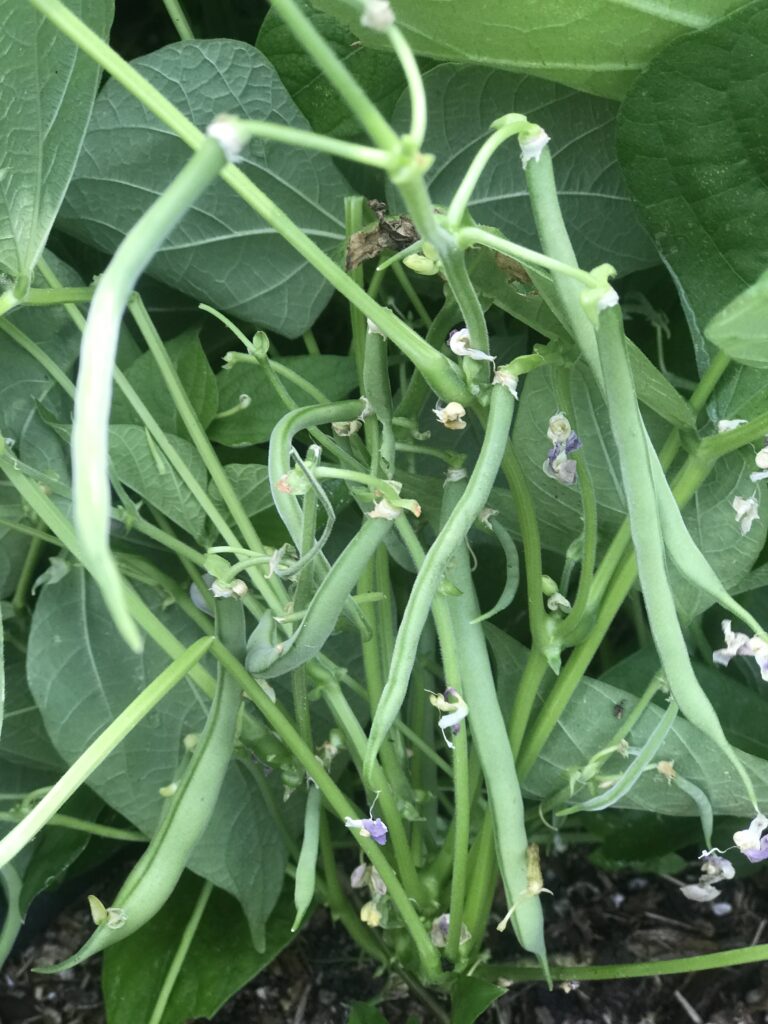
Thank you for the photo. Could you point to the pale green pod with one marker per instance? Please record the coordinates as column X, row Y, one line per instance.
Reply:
column 306, row 868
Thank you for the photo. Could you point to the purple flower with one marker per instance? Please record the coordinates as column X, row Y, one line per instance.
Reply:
column 564, row 442
column 761, row 853
column 370, row 828
column 751, row 841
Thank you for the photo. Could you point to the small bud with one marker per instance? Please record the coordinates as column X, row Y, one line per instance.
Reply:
column 761, row 459
column 190, row 741
column 370, row 915
column 169, row 790
column 458, row 343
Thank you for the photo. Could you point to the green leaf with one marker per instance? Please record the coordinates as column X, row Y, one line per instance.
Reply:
column 377, row 71
column 690, row 137
column 219, row 962
column 471, row 996
column 251, row 484
column 594, row 45
column 222, row 252
column 57, row 849
column 140, row 465
column 334, row 376
column 365, row 1013
column 47, row 88
column 195, row 373
column 81, row 676
column 711, row 522
column 588, row 724
column 464, row 101
column 24, row 737
column 740, row 329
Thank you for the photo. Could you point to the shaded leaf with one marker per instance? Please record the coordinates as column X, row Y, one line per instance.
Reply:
column 691, row 134
column 219, row 962
column 594, row 45
column 334, row 376
column 739, row 330
column 81, row 676
column 47, row 88
column 464, row 101
column 471, row 996
column 222, row 252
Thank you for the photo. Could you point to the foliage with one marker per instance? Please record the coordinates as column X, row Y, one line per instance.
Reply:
column 381, row 608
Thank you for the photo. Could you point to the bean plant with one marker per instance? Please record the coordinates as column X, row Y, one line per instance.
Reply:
column 403, row 511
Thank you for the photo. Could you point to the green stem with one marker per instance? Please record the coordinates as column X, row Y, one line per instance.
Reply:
column 93, row 828
column 179, row 19
column 56, row 296
column 11, row 882
column 322, row 143
column 180, row 954
column 25, row 576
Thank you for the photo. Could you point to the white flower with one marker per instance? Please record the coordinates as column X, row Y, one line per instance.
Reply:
column 715, row 868
column 746, row 512
column 531, row 147
column 749, row 838
column 735, row 644
column 229, row 135
column 610, row 297
column 723, row 426
column 758, row 648
column 454, row 474
column 451, row 416
column 452, row 702
column 238, row 588
column 378, row 15
column 557, row 603
column 700, row 892
column 561, row 468
column 458, row 343
column 507, row 380
column 761, row 459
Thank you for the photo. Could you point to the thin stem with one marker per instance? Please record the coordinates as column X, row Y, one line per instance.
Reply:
column 180, row 954
column 11, row 882
column 25, row 576
column 179, row 19
column 322, row 143
column 93, row 828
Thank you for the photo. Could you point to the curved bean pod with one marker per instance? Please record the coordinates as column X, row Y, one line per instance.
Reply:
column 306, row 868
column 156, row 874
column 267, row 659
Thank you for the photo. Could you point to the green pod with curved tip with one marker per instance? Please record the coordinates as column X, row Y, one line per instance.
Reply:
column 267, row 660
column 153, row 879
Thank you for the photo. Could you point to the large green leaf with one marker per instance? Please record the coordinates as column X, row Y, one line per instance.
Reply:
column 333, row 376
column 222, row 252
column 595, row 45
column 692, row 141
column 81, row 676
column 47, row 88
column 464, row 101
column 377, row 71
column 587, row 726
column 24, row 738
column 740, row 329
column 220, row 959
column 711, row 521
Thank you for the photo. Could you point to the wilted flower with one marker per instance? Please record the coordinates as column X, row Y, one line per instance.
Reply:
column 451, row 415
column 751, row 841
column 507, row 380
column 382, row 509
column 761, row 461
column 346, row 428
column 559, row 428
column 458, row 343
column 715, row 868
column 237, row 588
column 532, row 146
column 370, row 828
column 373, row 328
column 746, row 512
column 700, row 892
column 439, row 931
column 452, row 702
column 667, row 770
column 557, row 603
column 565, row 441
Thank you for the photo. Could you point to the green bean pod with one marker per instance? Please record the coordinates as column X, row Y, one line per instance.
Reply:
column 378, row 392
column 268, row 659
column 490, row 741
column 306, row 868
column 450, row 538
column 153, row 879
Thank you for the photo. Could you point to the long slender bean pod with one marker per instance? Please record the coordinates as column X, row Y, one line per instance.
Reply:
column 489, row 735
column 306, row 868
column 156, row 874
column 430, row 574
column 90, row 432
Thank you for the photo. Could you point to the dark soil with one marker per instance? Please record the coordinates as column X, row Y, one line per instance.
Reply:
column 591, row 919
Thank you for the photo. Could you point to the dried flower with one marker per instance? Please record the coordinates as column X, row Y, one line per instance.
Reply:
column 667, row 770
column 382, row 509
column 508, row 380
column 439, row 931
column 451, row 415
column 237, row 588
column 700, row 892
column 346, row 428
column 532, row 145
column 564, row 441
